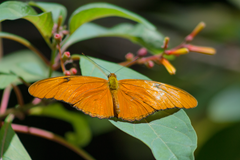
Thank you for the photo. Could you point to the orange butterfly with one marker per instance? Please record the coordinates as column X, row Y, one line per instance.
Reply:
column 127, row 99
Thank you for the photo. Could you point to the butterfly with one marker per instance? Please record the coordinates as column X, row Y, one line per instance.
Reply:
column 127, row 99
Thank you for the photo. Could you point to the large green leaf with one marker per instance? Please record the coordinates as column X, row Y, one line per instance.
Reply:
column 94, row 11
column 56, row 9
column 12, row 10
column 224, row 106
column 150, row 39
column 11, row 147
column 168, row 134
column 23, row 63
column 81, row 135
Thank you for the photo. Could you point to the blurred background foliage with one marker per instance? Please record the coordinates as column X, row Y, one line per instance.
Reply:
column 213, row 80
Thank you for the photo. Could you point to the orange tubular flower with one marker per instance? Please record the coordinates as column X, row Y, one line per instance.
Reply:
column 170, row 68
column 200, row 49
column 177, row 51
column 196, row 30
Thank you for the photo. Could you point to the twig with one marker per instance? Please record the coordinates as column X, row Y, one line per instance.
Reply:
column 18, row 94
column 5, row 99
column 51, row 136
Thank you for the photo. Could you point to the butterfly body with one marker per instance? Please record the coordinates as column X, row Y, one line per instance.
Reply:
column 127, row 99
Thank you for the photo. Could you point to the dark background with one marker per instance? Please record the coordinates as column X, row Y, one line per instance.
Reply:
column 203, row 76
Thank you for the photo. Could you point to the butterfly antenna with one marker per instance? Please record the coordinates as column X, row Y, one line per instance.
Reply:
column 127, row 64
column 97, row 65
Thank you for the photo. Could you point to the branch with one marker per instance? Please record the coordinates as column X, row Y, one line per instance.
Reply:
column 51, row 136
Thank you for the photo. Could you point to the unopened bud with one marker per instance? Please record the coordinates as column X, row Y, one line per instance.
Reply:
column 165, row 43
column 196, row 30
column 66, row 55
column 200, row 49
column 170, row 68
column 58, row 38
column 129, row 56
column 150, row 64
column 67, row 73
column 177, row 51
column 142, row 52
column 73, row 71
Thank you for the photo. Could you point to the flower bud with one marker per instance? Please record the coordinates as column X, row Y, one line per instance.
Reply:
column 58, row 38
column 73, row 71
column 142, row 52
column 129, row 56
column 150, row 64
column 196, row 30
column 177, row 51
column 170, row 68
column 165, row 43
column 66, row 55
column 67, row 73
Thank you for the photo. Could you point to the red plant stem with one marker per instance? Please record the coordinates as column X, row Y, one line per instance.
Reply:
column 140, row 61
column 5, row 99
column 24, row 82
column 60, row 55
column 18, row 94
column 50, row 136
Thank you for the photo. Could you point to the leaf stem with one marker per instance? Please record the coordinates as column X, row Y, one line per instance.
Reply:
column 18, row 94
column 51, row 136
column 60, row 56
column 52, row 58
column 5, row 99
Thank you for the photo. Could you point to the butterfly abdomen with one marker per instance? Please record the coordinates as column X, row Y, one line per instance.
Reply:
column 114, row 86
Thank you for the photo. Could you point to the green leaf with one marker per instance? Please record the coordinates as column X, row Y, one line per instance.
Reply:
column 6, row 79
column 11, row 147
column 150, row 39
column 224, row 106
column 81, row 135
column 23, row 63
column 43, row 22
column 170, row 137
column 15, row 10
column 56, row 9
column 88, row 68
column 168, row 134
column 94, row 11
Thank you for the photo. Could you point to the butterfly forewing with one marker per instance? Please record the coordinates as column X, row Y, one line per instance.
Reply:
column 139, row 98
column 89, row 94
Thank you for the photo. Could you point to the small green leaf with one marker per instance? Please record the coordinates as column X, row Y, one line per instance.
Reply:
column 94, row 11
column 81, row 135
column 150, row 39
column 6, row 79
column 43, row 22
column 224, row 107
column 56, row 9
column 15, row 10
column 11, row 147
column 168, row 134
column 24, row 63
